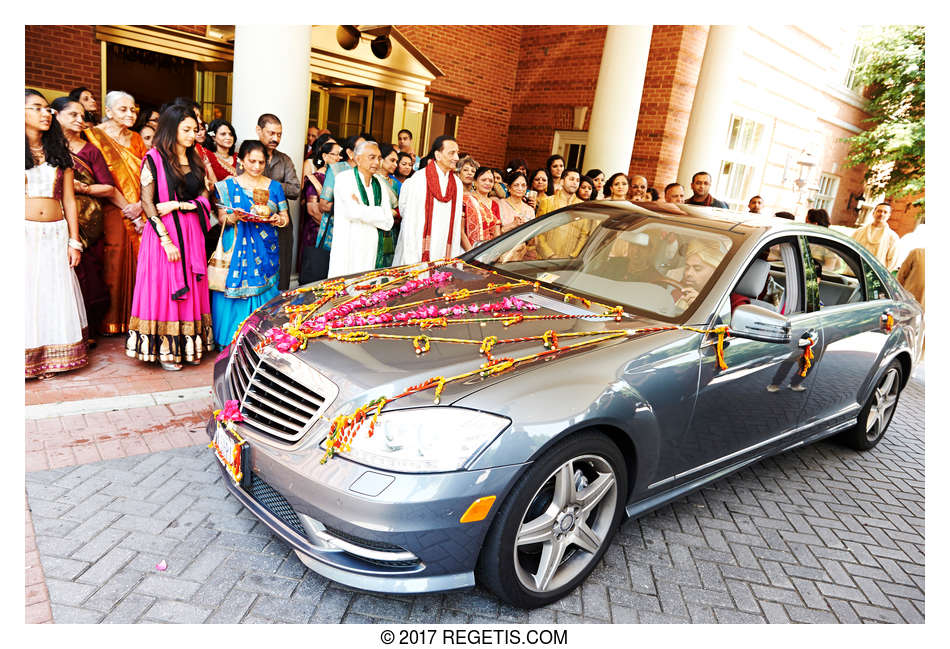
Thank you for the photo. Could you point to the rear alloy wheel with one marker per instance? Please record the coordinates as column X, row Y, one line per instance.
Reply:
column 877, row 413
column 557, row 522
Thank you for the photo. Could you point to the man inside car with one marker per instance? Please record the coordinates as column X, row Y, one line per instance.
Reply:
column 701, row 260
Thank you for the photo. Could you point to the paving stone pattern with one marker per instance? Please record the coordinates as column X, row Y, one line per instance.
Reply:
column 820, row 534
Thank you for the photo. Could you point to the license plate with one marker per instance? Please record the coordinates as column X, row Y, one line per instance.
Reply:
column 228, row 447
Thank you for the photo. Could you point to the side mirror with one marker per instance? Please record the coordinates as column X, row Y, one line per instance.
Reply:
column 758, row 323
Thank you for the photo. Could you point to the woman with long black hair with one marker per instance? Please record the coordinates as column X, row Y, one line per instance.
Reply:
column 171, row 309
column 598, row 177
column 90, row 108
column 555, row 167
column 55, row 317
column 93, row 186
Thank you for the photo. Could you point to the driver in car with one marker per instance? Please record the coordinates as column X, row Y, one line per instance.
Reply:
column 701, row 260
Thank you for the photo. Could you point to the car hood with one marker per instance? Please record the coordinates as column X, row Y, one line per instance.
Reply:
column 373, row 368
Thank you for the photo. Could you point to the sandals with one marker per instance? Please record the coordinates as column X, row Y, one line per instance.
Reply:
column 45, row 376
column 171, row 367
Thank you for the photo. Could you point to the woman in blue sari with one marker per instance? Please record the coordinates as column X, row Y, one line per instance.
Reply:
column 253, row 204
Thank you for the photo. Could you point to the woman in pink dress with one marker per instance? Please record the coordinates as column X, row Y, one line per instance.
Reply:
column 171, row 308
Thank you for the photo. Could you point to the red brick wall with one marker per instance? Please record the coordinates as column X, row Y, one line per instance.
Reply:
column 557, row 71
column 676, row 54
column 479, row 62
column 835, row 152
column 62, row 57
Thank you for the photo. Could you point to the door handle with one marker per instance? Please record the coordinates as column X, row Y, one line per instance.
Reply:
column 807, row 338
column 887, row 321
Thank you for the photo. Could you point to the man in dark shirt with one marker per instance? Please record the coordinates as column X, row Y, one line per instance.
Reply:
column 280, row 168
column 701, row 196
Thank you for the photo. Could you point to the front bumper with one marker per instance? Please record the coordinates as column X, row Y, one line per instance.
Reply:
column 367, row 528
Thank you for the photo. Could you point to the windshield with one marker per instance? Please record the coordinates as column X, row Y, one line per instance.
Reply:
column 637, row 261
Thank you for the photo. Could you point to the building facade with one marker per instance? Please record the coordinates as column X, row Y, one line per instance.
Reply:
column 764, row 110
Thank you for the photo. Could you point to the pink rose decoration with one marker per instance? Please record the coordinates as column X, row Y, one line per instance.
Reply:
column 230, row 412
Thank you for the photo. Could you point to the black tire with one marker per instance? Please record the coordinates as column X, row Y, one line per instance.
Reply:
column 596, row 464
column 878, row 411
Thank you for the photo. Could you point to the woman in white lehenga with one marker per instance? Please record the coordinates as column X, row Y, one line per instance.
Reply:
column 55, row 316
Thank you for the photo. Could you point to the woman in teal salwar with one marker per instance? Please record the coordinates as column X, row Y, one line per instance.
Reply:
column 253, row 273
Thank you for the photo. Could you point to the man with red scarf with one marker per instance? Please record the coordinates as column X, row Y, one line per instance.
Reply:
column 430, row 203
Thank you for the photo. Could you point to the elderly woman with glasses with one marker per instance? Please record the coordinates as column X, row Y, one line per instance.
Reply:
column 123, row 151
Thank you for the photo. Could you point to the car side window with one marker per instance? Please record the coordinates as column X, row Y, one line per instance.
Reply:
column 771, row 280
column 839, row 274
column 876, row 288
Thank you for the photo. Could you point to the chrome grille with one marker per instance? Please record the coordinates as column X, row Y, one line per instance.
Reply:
column 280, row 398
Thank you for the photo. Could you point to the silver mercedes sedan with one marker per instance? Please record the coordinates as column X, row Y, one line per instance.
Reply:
column 494, row 418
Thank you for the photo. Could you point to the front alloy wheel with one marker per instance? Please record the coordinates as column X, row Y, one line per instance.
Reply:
column 557, row 523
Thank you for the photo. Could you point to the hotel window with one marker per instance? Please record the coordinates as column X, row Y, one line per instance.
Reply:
column 859, row 54
column 827, row 191
column 851, row 77
column 738, row 170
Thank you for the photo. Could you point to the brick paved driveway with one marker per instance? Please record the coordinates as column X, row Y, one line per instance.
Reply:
column 821, row 534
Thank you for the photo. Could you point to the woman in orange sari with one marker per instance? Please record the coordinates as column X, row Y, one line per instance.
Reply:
column 482, row 217
column 122, row 150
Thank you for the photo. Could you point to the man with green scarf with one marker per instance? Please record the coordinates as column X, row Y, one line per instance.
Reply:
column 360, row 215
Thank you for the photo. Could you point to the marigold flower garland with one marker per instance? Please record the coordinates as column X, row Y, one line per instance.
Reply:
column 354, row 320
column 227, row 415
column 807, row 357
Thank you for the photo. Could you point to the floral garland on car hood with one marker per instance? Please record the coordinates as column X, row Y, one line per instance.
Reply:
column 367, row 310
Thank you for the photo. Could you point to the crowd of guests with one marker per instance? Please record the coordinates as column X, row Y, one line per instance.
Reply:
column 141, row 199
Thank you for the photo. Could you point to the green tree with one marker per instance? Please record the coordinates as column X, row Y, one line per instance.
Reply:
column 892, row 149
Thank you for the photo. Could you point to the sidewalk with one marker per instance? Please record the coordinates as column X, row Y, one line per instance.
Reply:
column 113, row 410
column 111, row 373
column 115, row 407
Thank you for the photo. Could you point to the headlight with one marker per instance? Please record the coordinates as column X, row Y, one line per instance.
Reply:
column 425, row 440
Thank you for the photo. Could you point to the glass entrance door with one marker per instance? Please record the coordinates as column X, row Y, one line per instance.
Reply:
column 344, row 111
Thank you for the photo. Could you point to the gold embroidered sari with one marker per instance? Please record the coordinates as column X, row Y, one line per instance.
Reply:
column 121, row 240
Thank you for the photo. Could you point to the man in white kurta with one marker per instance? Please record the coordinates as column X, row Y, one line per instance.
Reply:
column 412, row 202
column 879, row 238
column 355, row 224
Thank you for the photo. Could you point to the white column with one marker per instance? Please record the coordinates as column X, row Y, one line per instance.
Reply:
column 613, row 119
column 715, row 92
column 272, row 75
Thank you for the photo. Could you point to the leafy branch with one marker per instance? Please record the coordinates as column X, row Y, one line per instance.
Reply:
column 892, row 147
